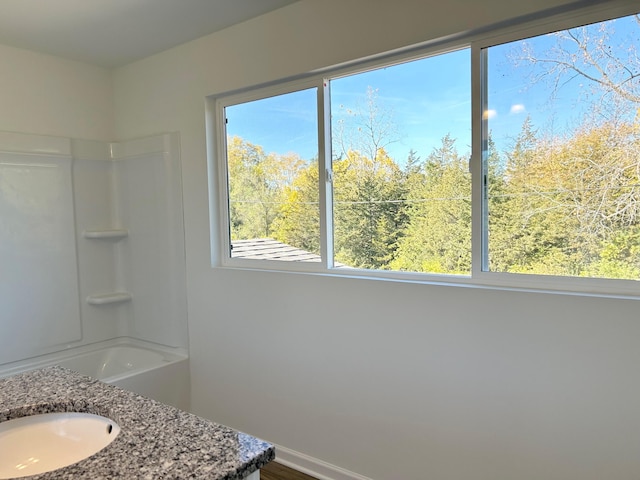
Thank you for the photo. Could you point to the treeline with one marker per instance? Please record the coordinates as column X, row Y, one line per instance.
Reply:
column 561, row 206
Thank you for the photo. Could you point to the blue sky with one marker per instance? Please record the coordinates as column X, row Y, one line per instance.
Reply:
column 425, row 100
column 419, row 95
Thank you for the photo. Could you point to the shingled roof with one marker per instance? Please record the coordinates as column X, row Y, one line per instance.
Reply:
column 270, row 249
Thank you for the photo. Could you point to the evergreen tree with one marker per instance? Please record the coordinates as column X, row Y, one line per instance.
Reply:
column 438, row 235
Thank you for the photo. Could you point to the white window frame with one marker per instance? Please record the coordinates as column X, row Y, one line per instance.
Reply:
column 324, row 189
column 539, row 24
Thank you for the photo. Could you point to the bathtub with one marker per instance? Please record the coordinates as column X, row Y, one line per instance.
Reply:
column 151, row 370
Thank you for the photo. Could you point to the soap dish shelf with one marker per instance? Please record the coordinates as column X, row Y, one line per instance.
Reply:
column 106, row 234
column 109, row 298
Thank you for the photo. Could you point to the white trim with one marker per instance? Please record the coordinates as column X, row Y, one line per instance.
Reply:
column 214, row 169
column 325, row 174
column 313, row 466
column 220, row 122
column 511, row 281
column 137, row 147
column 26, row 143
column 261, row 92
column 477, row 162
column 95, row 150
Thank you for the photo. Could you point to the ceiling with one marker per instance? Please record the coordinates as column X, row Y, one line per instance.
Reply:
column 110, row 33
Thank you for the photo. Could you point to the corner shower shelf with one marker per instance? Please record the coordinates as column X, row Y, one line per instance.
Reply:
column 109, row 298
column 107, row 234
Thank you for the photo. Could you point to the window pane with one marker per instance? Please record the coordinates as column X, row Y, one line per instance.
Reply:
column 272, row 160
column 401, row 144
column 563, row 157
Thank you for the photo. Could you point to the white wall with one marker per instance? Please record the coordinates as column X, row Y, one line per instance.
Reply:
column 387, row 379
column 47, row 95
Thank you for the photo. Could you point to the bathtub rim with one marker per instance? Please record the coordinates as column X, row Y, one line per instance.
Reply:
column 13, row 368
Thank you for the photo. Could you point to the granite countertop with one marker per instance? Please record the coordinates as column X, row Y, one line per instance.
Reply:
column 156, row 441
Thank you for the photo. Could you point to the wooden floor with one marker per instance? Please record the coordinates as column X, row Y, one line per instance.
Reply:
column 277, row 471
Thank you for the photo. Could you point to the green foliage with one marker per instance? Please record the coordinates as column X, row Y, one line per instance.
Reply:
column 438, row 233
column 260, row 187
column 367, row 209
column 564, row 205
column 298, row 222
column 619, row 256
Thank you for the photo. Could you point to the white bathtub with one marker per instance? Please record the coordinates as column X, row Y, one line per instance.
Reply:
column 151, row 370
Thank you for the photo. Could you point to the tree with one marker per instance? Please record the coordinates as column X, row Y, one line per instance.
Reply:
column 567, row 203
column 438, row 235
column 367, row 187
column 299, row 221
column 598, row 54
column 368, row 129
column 367, row 204
column 525, row 233
column 257, row 183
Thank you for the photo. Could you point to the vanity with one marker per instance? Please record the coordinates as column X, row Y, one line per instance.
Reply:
column 154, row 441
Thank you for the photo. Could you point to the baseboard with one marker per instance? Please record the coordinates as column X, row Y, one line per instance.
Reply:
column 314, row 467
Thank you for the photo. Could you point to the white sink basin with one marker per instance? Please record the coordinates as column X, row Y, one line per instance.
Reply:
column 41, row 443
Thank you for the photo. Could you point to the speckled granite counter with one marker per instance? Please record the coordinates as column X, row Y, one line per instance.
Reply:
column 155, row 442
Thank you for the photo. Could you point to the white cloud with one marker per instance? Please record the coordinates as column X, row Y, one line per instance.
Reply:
column 517, row 108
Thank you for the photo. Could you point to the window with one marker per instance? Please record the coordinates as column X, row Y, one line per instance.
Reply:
column 272, row 168
column 401, row 141
column 563, row 158
column 374, row 168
